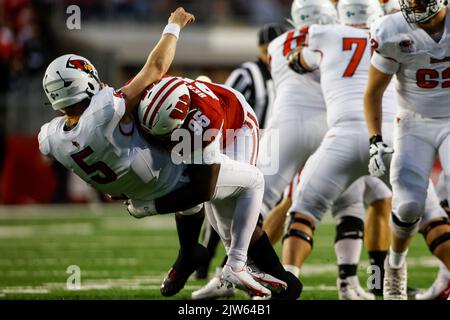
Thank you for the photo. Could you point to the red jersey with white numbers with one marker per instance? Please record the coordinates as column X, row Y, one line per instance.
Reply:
column 214, row 108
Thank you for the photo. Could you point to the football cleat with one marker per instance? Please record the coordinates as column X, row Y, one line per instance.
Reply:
column 241, row 279
column 395, row 282
column 350, row 289
column 267, row 280
column 181, row 270
column 213, row 289
column 440, row 289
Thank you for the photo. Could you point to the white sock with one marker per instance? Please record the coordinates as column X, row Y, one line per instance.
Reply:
column 292, row 269
column 397, row 259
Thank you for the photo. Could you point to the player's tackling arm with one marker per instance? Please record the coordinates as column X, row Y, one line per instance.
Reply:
column 373, row 97
column 201, row 189
column 158, row 61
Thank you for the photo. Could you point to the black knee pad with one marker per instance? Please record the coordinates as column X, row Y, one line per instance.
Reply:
column 439, row 239
column 403, row 229
column 349, row 228
column 291, row 232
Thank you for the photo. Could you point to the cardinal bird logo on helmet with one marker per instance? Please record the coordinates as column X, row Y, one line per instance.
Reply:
column 80, row 65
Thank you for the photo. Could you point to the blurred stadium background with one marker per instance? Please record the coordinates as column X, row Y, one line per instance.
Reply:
column 49, row 219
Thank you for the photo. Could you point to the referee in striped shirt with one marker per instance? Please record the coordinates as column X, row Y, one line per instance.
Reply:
column 253, row 80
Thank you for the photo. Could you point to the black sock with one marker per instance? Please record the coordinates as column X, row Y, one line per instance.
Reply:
column 263, row 254
column 347, row 270
column 377, row 258
column 213, row 241
column 188, row 228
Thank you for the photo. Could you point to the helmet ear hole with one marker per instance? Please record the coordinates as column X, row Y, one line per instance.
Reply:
column 91, row 86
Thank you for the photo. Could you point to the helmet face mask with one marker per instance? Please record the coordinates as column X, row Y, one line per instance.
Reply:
column 420, row 11
column 70, row 79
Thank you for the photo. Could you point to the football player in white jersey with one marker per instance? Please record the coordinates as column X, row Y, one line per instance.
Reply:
column 342, row 54
column 415, row 46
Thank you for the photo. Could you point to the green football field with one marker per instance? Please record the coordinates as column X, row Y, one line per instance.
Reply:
column 120, row 257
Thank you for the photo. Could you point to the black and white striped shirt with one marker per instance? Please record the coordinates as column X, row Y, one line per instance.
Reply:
column 254, row 81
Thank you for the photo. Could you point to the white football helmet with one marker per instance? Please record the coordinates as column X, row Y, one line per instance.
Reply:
column 70, row 79
column 164, row 106
column 359, row 13
column 307, row 12
column 420, row 11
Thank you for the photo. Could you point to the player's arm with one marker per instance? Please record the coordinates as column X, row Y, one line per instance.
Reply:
column 380, row 75
column 159, row 59
column 200, row 189
column 304, row 59
column 373, row 97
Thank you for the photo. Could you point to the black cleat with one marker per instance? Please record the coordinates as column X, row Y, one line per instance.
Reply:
column 202, row 272
column 181, row 270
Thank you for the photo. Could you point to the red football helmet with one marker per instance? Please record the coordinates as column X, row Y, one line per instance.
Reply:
column 164, row 106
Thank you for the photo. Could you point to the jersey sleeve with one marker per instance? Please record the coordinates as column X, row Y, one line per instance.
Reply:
column 384, row 64
column 312, row 53
column 43, row 138
column 383, row 43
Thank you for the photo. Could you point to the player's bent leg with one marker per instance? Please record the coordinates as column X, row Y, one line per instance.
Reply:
column 437, row 236
column 211, row 240
column 377, row 236
column 298, row 241
column 275, row 221
column 191, row 254
column 348, row 245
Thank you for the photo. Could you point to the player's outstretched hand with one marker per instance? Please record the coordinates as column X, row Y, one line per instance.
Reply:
column 181, row 17
column 378, row 151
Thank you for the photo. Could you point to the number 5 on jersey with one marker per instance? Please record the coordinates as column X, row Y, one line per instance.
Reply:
column 106, row 176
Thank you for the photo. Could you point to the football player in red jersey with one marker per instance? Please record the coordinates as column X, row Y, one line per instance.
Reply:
column 206, row 124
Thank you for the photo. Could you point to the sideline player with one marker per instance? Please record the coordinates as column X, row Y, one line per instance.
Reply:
column 415, row 46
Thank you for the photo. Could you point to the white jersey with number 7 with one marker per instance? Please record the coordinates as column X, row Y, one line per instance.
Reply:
column 342, row 54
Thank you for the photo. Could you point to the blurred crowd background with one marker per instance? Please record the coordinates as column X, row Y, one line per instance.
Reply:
column 116, row 36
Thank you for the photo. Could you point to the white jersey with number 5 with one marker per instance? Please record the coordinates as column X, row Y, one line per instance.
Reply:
column 342, row 54
column 293, row 91
column 422, row 64
column 110, row 157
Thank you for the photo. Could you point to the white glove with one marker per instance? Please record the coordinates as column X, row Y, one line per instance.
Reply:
column 146, row 210
column 377, row 150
